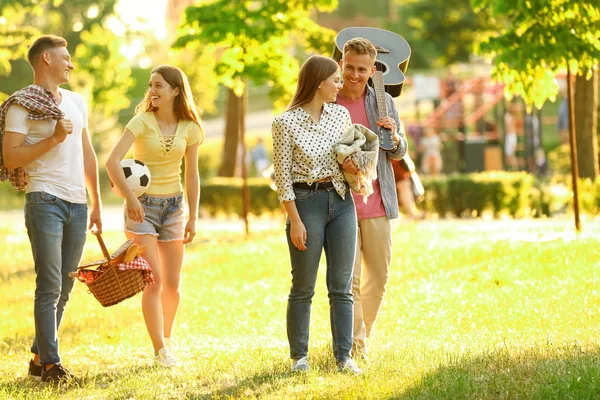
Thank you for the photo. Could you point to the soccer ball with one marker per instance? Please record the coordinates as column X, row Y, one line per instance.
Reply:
column 137, row 176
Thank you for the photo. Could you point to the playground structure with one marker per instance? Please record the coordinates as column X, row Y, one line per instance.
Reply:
column 469, row 117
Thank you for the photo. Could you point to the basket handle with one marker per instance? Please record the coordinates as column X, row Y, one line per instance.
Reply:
column 102, row 245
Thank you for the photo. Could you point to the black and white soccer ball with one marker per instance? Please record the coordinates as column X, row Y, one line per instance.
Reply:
column 137, row 176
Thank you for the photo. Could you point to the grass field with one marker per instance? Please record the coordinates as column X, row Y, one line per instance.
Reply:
column 474, row 309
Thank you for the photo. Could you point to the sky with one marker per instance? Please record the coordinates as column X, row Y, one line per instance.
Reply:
column 144, row 14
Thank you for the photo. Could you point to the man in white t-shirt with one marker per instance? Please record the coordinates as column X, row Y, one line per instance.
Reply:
column 44, row 131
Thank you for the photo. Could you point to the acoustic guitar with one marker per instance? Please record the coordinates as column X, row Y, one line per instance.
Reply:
column 393, row 53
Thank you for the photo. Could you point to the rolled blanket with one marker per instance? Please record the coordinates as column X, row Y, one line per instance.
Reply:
column 361, row 145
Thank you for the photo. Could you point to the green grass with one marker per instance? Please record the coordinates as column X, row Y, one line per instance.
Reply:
column 474, row 309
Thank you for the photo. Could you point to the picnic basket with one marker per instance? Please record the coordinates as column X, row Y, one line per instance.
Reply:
column 109, row 283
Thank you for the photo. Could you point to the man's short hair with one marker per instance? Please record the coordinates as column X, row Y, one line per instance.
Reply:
column 361, row 46
column 42, row 44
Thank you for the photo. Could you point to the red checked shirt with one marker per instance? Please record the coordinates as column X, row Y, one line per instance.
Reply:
column 40, row 104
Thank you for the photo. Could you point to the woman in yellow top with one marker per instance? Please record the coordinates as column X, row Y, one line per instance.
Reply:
column 165, row 130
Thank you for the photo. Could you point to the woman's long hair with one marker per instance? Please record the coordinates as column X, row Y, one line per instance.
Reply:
column 314, row 71
column 184, row 106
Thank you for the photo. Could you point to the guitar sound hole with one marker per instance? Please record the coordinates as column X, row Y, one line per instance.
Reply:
column 380, row 66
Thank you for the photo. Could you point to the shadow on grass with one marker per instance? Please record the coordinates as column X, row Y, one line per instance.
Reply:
column 276, row 377
column 543, row 373
column 257, row 385
column 25, row 384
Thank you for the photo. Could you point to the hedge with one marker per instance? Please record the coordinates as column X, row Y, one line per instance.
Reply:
column 515, row 194
column 471, row 194
column 224, row 196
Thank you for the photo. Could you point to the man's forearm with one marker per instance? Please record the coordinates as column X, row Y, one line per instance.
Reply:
column 19, row 156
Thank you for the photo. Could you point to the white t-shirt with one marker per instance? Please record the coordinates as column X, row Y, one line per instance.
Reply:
column 60, row 171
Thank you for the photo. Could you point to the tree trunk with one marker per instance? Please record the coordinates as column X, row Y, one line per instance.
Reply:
column 586, row 120
column 232, row 135
column 244, row 164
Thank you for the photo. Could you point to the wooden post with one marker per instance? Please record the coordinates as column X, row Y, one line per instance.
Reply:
column 245, row 191
column 573, row 144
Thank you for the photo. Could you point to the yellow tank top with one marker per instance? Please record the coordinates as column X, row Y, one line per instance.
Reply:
column 163, row 154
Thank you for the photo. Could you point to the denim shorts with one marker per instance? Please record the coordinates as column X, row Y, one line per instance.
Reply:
column 163, row 217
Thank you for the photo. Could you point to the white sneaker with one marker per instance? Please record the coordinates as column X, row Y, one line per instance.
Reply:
column 349, row 367
column 168, row 343
column 300, row 365
column 165, row 358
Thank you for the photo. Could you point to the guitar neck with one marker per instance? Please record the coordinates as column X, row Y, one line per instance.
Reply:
column 380, row 93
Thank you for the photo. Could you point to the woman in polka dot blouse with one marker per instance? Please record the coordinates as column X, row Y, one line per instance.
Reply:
column 320, row 209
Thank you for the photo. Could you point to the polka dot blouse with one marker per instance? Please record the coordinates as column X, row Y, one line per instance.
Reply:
column 303, row 149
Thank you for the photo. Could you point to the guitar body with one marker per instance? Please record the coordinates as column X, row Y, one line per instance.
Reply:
column 393, row 61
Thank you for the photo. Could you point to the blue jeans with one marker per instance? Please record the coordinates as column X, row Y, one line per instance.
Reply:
column 56, row 230
column 330, row 223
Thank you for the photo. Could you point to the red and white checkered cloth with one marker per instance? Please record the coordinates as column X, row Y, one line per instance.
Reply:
column 40, row 104
column 139, row 263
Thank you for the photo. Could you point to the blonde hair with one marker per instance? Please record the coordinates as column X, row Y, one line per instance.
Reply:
column 41, row 44
column 184, row 106
column 314, row 71
column 361, row 46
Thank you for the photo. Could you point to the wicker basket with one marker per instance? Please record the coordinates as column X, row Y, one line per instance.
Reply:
column 113, row 285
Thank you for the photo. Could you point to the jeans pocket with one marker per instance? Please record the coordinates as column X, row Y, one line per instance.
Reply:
column 303, row 194
column 41, row 198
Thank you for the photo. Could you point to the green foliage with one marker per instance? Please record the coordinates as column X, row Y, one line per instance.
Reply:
column 440, row 32
column 10, row 198
column 102, row 73
column 255, row 38
column 513, row 194
column 224, row 196
column 472, row 194
column 14, row 34
column 559, row 161
column 541, row 38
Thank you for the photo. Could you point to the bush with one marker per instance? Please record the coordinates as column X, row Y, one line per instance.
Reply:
column 517, row 194
column 224, row 196
column 472, row 194
column 10, row 198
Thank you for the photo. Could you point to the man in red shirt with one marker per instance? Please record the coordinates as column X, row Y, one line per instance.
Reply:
column 374, row 239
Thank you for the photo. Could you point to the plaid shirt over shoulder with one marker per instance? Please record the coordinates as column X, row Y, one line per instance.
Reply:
column 40, row 104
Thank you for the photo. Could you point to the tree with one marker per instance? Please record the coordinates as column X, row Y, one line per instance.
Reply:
column 102, row 72
column 256, row 40
column 540, row 39
column 586, row 124
column 443, row 31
